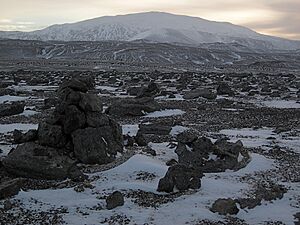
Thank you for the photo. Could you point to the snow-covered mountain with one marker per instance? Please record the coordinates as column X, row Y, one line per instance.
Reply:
column 156, row 27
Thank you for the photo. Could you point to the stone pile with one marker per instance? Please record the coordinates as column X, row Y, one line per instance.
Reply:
column 77, row 131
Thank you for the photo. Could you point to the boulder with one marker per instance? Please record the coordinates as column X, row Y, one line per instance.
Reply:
column 133, row 107
column 51, row 135
column 35, row 161
column 180, row 176
column 19, row 137
column 225, row 206
column 114, row 200
column 10, row 188
column 13, row 108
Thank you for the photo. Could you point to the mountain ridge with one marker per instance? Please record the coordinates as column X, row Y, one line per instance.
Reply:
column 158, row 27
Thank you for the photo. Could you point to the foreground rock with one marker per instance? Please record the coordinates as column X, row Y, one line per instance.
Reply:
column 225, row 207
column 133, row 107
column 10, row 188
column 202, row 154
column 114, row 200
column 35, row 161
column 181, row 177
column 11, row 109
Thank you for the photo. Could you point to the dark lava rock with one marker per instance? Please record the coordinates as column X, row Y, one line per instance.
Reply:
column 96, row 119
column 187, row 137
column 50, row 102
column 224, row 89
column 133, row 107
column 140, row 139
column 11, row 109
column 181, row 177
column 196, row 93
column 224, row 207
column 74, row 84
column 51, row 135
column 74, row 119
column 29, row 136
column 35, row 161
column 297, row 218
column 171, row 162
column 90, row 103
column 97, row 145
column 150, row 151
column 10, row 188
column 201, row 153
column 151, row 90
column 134, row 91
column 7, row 205
column 114, row 200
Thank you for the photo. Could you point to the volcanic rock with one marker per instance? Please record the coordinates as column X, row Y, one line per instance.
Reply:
column 10, row 188
column 133, row 107
column 35, row 161
column 19, row 137
column 114, row 200
column 180, row 176
column 11, row 109
column 225, row 206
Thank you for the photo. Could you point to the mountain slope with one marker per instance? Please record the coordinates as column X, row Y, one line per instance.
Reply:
column 155, row 27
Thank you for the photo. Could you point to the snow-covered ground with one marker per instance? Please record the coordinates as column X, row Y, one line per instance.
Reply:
column 280, row 104
column 264, row 138
column 165, row 113
column 30, row 88
column 5, row 128
column 9, row 98
column 130, row 129
column 185, row 209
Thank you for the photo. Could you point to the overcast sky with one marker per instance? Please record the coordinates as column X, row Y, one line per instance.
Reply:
column 274, row 17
